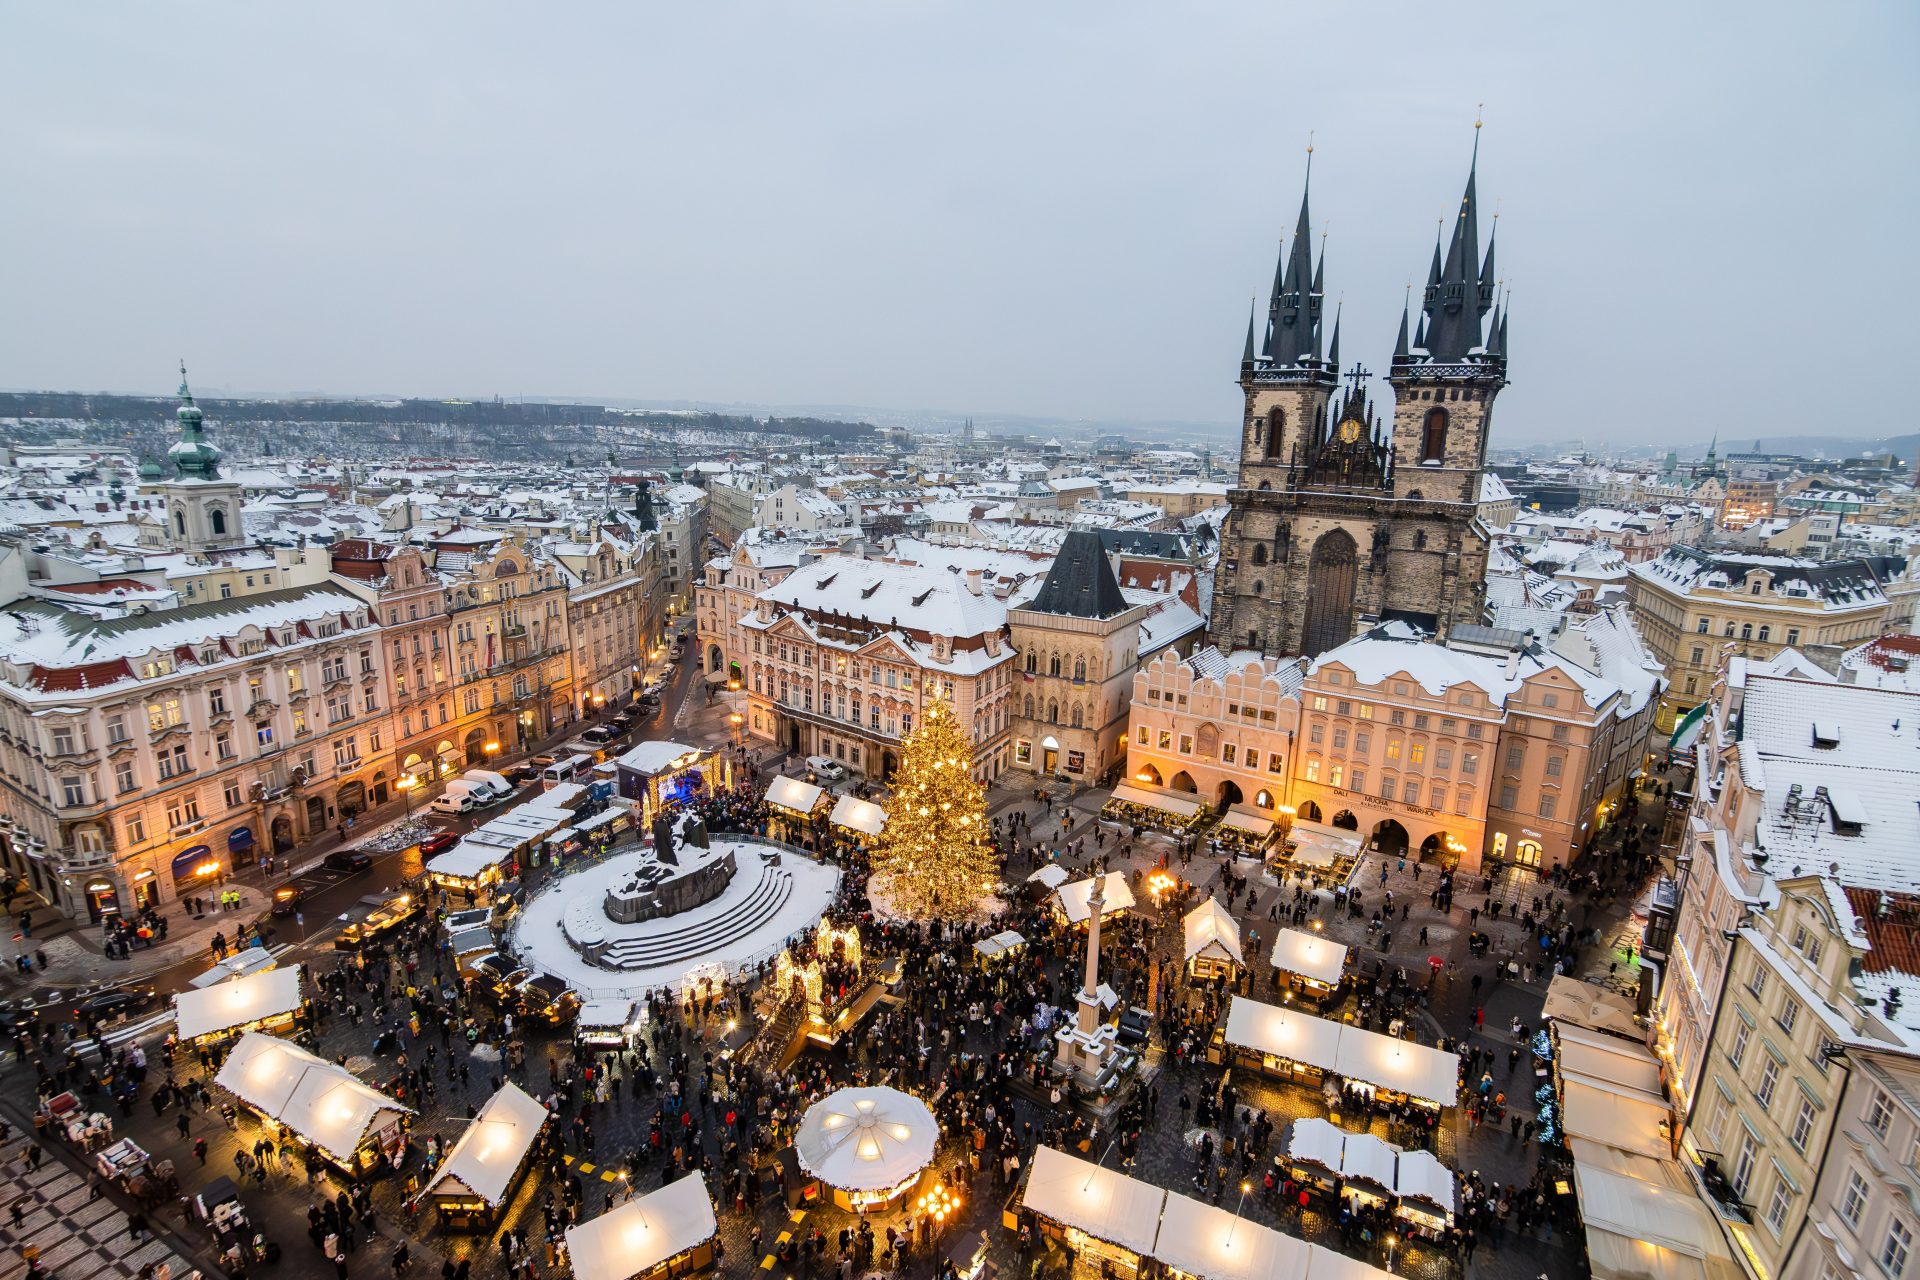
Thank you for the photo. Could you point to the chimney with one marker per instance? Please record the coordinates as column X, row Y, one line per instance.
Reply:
column 973, row 580
column 1513, row 663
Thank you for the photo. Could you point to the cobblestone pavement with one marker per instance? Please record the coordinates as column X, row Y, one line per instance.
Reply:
column 72, row 1232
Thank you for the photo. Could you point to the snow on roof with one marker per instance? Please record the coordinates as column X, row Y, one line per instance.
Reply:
column 654, row 757
column 320, row 1101
column 491, row 1147
column 237, row 1002
column 643, row 1232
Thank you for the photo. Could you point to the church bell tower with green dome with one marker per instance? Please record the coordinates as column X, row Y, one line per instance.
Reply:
column 203, row 508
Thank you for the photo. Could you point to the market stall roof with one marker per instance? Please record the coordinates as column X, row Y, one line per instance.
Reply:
column 495, row 841
column 1245, row 818
column 856, row 814
column 1180, row 804
column 1638, row 1230
column 1372, row 1159
column 1598, row 1058
column 238, row 965
column 239, row 1003
column 866, row 1139
column 791, row 793
column 1330, row 1264
column 1211, row 932
column 1076, row 898
column 1420, row 1175
column 1625, row 1118
column 605, row 1013
column 659, row 757
column 489, row 1152
column 1587, row 1004
column 1404, row 1066
column 321, row 1101
column 1102, row 1202
column 1316, row 1141
column 1053, row 875
column 1310, row 955
column 644, row 1232
column 1211, row 1243
column 999, row 944
column 1319, row 845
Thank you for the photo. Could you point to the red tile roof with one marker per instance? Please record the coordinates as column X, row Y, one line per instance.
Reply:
column 1893, row 939
column 94, row 675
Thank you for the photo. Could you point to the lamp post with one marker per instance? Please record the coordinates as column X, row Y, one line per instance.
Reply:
column 407, row 782
column 1235, row 1225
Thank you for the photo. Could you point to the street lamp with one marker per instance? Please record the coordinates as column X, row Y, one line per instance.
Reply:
column 407, row 782
column 736, row 720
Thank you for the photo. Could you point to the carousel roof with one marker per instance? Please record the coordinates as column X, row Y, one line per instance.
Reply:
column 866, row 1139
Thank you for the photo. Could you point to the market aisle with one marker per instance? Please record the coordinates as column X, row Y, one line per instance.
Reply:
column 75, row 1237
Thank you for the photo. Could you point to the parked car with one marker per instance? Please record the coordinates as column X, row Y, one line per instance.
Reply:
column 454, row 802
column 286, row 898
column 494, row 783
column 521, row 774
column 826, row 767
column 113, row 1006
column 347, row 860
column 601, row 733
column 438, row 842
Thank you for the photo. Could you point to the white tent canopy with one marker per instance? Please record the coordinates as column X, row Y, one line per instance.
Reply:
column 1240, row 817
column 238, row 965
column 1419, row 1175
column 1369, row 1159
column 1317, row 845
column 237, row 1003
column 1177, row 803
column 1589, row 1005
column 657, row 757
column 1214, row 1244
column 1602, row 1059
column 866, row 1139
column 1310, row 955
column 999, row 944
column 855, row 814
column 322, row 1102
column 1076, row 898
column 1354, row 1052
column 644, row 1232
column 1053, row 875
column 605, row 1013
column 791, row 793
column 1316, row 1141
column 1104, row 1203
column 1623, row 1118
column 1211, row 933
column 495, row 1142
column 1639, row 1230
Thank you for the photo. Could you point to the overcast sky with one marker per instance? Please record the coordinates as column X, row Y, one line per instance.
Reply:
column 1056, row 209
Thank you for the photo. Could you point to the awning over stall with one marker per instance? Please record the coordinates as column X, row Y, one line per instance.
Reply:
column 321, row 1101
column 1104, row 1203
column 238, row 965
column 1369, row 1159
column 1624, row 1117
column 1211, row 1243
column 1076, row 899
column 1180, row 804
column 1211, row 933
column 1597, row 1058
column 999, row 944
column 1587, row 1004
column 1052, row 875
column 1247, row 821
column 1310, row 955
column 644, row 1232
column 793, row 794
column 1386, row 1062
column 1639, row 1230
column 241, row 1002
column 1318, row 845
column 488, row 1154
column 855, row 814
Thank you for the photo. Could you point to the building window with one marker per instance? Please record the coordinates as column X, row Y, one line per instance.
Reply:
column 231, row 793
column 136, row 830
column 1895, row 1252
column 1469, row 764
column 1880, row 1113
column 1417, row 753
column 1549, row 804
column 1738, row 1052
column 1769, row 1081
column 1853, row 1202
column 1387, row 786
column 1699, row 654
column 1777, row 1205
column 1743, row 1165
column 1275, row 761
column 1704, row 626
column 1793, row 635
column 123, row 776
column 1802, row 1125
column 1433, row 436
column 1227, row 753
column 73, row 792
column 1313, row 771
column 1509, row 796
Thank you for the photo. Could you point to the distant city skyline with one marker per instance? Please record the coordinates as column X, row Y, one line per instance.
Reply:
column 1052, row 214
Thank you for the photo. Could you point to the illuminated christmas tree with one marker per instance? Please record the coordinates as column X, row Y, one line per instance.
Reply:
column 935, row 846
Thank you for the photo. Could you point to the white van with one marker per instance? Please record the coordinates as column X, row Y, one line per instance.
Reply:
column 494, row 784
column 452, row 801
column 565, row 769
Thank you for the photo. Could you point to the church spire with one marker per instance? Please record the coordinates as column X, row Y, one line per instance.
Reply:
column 1295, row 312
column 1246, row 353
column 1333, row 348
column 1400, row 351
column 1460, row 292
column 194, row 457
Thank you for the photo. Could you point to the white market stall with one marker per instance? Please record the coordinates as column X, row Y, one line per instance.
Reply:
column 1326, row 851
column 483, row 854
column 665, row 1233
column 348, row 1121
column 1292, row 1043
column 1426, row 1193
column 1074, row 901
column 271, row 997
column 1619, row 1117
column 1244, row 829
column 476, row 1180
column 1206, row 1242
column 1052, row 876
column 1313, row 965
column 1141, row 805
column 1100, row 1213
column 1313, row 1153
column 238, row 965
column 793, row 805
column 869, row 1144
column 998, row 946
column 862, row 817
column 1367, row 1167
column 1212, row 938
column 606, row 1024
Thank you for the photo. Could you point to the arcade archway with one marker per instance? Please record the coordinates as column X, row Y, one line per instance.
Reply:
column 1390, row 838
column 1345, row 820
column 1308, row 811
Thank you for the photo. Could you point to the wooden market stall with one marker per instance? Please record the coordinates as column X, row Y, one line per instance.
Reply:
column 1212, row 939
column 998, row 947
column 351, row 1124
column 1312, row 1154
column 1424, row 1194
column 1367, row 1167
column 238, row 965
column 1299, row 1046
column 1245, row 830
column 1311, row 965
column 1326, row 853
column 1200, row 1241
column 269, row 1000
column 1073, row 903
column 476, row 1181
column 856, row 819
column 793, row 805
column 1140, row 805
column 1105, row 1217
column 663, row 1234
column 606, row 1024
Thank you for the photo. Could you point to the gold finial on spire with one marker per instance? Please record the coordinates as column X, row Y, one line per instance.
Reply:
column 1309, row 142
column 1479, row 108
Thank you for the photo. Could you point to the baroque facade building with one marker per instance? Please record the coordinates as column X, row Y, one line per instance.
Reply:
column 1339, row 521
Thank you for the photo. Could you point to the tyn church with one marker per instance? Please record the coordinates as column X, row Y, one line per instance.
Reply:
column 1338, row 520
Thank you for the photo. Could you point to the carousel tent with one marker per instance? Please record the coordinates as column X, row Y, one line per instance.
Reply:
column 792, row 794
column 855, row 814
column 1211, row 933
column 491, row 1150
column 1209, row 1242
column 1310, row 955
column 1586, row 1004
column 1076, row 898
column 1053, row 875
column 1182, row 805
column 644, row 1232
column 240, row 1002
column 322, row 1102
column 1104, row 1203
column 866, row 1139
